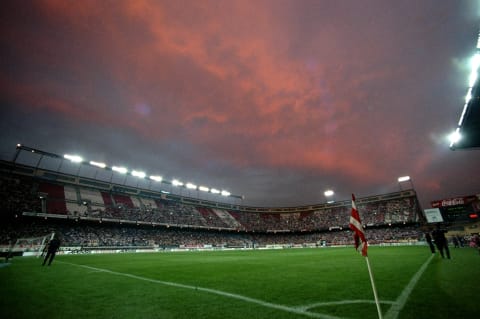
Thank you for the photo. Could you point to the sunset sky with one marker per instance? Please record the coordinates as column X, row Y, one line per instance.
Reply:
column 274, row 100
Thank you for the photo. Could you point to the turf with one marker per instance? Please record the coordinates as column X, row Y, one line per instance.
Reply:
column 292, row 283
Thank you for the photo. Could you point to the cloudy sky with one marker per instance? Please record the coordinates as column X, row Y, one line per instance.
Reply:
column 274, row 100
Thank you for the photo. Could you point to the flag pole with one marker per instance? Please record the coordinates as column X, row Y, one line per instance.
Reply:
column 374, row 289
column 362, row 246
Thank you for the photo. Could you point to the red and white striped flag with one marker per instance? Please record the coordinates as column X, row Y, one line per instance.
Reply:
column 356, row 226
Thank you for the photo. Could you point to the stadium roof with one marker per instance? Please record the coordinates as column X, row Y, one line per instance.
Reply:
column 467, row 134
column 470, row 128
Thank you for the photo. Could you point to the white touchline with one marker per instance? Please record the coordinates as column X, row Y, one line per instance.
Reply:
column 341, row 302
column 212, row 291
column 402, row 299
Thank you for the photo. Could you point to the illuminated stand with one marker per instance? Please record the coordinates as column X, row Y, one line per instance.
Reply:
column 404, row 179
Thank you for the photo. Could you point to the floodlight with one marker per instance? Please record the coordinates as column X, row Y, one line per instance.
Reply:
column 473, row 78
column 203, row 188
column 101, row 165
column 403, row 179
column 191, row 186
column 468, row 97
column 177, row 183
column 138, row 174
column 475, row 61
column 214, row 191
column 454, row 137
column 225, row 193
column 329, row 193
column 121, row 170
column 156, row 178
column 73, row 158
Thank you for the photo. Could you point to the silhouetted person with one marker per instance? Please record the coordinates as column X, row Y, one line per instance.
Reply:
column 456, row 243
column 440, row 241
column 430, row 243
column 53, row 246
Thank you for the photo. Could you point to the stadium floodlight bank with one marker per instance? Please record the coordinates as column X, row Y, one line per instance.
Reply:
column 467, row 133
column 125, row 171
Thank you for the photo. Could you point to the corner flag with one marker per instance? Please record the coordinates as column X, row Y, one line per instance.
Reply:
column 356, row 226
column 361, row 246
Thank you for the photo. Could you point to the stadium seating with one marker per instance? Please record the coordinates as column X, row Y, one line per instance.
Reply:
column 101, row 218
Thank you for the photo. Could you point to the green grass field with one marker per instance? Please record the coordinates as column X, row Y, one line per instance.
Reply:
column 293, row 283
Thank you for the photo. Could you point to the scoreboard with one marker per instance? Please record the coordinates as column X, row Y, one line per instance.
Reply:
column 459, row 209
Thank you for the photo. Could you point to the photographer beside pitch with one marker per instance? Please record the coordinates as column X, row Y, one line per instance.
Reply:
column 53, row 246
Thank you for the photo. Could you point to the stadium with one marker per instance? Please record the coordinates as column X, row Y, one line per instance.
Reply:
column 283, row 101
column 204, row 258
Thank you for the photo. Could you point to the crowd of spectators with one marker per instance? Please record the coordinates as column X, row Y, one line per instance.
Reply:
column 18, row 195
column 88, row 234
column 176, row 213
column 396, row 211
column 177, row 224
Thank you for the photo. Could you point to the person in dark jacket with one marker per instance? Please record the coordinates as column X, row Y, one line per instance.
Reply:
column 441, row 241
column 53, row 246
column 430, row 243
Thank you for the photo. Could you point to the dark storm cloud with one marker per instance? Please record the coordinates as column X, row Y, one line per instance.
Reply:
column 276, row 100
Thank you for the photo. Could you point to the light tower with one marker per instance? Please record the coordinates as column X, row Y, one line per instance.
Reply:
column 404, row 179
column 329, row 195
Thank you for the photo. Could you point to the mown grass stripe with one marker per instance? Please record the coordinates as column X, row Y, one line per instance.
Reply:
column 212, row 291
column 395, row 309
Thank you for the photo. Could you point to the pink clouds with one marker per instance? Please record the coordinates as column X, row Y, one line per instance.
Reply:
column 233, row 72
column 288, row 85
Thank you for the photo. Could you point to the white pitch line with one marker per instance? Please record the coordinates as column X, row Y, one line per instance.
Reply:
column 394, row 310
column 342, row 302
column 213, row 291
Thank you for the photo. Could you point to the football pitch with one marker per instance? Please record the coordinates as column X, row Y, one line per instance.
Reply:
column 292, row 283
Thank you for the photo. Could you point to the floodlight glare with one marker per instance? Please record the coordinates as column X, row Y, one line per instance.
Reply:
column 473, row 78
column 156, row 178
column 121, row 170
column 403, row 179
column 203, row 188
column 73, row 158
column 225, row 193
column 177, row 183
column 138, row 174
column 468, row 97
column 191, row 186
column 214, row 191
column 101, row 165
column 454, row 137
column 475, row 61
column 328, row 193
